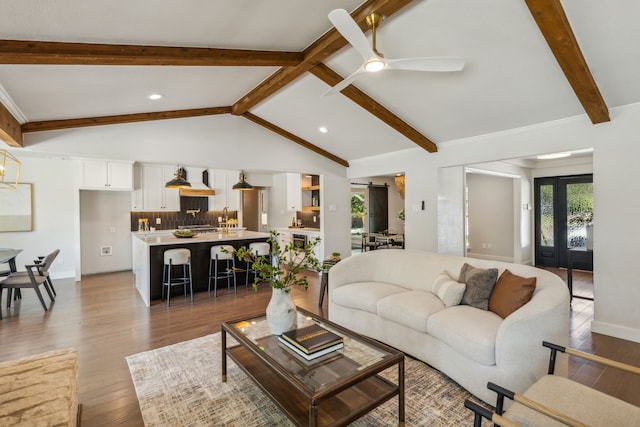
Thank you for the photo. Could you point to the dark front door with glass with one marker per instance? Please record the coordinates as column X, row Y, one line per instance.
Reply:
column 563, row 218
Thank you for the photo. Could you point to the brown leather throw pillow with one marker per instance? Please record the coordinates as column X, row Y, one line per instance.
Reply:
column 510, row 293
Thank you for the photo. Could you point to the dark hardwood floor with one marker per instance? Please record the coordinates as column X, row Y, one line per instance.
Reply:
column 104, row 318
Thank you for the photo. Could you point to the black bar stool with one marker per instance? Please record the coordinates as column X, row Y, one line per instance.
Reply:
column 223, row 253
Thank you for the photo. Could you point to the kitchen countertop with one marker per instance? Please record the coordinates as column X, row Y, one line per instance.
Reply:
column 164, row 237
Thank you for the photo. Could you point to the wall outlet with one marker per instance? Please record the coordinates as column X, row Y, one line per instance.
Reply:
column 105, row 250
column 158, row 221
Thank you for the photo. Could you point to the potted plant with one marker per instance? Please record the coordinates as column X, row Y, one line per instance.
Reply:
column 281, row 270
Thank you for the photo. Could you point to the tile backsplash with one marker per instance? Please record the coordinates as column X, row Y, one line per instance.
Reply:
column 171, row 220
column 307, row 218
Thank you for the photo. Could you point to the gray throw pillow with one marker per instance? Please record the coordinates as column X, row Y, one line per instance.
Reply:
column 480, row 283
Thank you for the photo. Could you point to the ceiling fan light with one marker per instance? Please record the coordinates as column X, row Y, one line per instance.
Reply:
column 374, row 65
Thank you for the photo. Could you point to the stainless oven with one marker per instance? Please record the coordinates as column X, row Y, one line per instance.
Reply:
column 299, row 240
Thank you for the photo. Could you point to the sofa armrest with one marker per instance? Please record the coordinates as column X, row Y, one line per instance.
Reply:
column 544, row 318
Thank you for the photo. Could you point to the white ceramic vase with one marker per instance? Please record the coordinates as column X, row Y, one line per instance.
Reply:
column 282, row 315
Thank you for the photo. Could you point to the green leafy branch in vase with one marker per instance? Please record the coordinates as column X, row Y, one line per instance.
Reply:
column 282, row 269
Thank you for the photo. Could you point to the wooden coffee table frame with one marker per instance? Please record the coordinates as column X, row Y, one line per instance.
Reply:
column 337, row 404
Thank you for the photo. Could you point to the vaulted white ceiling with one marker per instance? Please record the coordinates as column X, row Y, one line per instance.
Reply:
column 511, row 78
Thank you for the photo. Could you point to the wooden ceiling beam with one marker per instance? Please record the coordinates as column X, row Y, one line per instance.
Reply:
column 10, row 131
column 121, row 119
column 332, row 78
column 306, row 144
column 328, row 44
column 555, row 27
column 60, row 53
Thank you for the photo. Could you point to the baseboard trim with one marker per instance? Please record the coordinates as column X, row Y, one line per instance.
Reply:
column 617, row 331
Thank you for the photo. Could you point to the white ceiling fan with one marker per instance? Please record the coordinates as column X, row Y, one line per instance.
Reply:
column 373, row 60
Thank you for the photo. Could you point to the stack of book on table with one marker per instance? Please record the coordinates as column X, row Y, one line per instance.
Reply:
column 311, row 342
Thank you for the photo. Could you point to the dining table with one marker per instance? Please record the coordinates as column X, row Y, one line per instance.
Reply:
column 9, row 256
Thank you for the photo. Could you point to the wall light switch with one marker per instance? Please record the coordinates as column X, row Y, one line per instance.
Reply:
column 112, row 229
column 158, row 221
column 314, row 218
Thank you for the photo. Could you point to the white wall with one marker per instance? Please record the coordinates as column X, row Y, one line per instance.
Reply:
column 615, row 173
column 450, row 205
column 105, row 220
column 53, row 199
column 491, row 217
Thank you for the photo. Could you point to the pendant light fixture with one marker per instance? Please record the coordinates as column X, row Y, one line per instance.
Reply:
column 179, row 181
column 9, row 170
column 242, row 184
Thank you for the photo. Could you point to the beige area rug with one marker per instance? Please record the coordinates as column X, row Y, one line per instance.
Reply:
column 179, row 385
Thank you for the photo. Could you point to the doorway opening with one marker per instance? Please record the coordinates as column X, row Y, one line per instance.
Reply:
column 377, row 206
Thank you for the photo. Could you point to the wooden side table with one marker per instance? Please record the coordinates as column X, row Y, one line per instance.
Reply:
column 324, row 280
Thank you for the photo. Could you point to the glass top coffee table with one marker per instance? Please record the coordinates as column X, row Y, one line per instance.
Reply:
column 332, row 390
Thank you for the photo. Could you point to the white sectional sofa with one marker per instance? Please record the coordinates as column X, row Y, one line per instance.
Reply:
column 387, row 295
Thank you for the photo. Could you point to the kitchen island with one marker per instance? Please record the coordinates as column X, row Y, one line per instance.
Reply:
column 148, row 250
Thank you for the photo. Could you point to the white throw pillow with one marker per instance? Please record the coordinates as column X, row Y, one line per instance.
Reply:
column 448, row 290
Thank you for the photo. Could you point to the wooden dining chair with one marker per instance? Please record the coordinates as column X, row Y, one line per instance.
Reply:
column 32, row 279
column 43, row 270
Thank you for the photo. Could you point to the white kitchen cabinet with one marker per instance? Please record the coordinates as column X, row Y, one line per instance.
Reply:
column 318, row 250
column 284, row 238
column 137, row 195
column 294, row 193
column 155, row 196
column 98, row 174
column 222, row 182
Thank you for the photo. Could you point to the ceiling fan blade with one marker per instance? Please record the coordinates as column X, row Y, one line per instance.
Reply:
column 346, row 26
column 435, row 64
column 344, row 83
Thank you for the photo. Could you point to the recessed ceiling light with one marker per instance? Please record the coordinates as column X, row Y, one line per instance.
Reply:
column 323, row 129
column 554, row 155
column 155, row 96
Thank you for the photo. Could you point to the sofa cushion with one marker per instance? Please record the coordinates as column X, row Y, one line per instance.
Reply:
column 448, row 290
column 510, row 293
column 480, row 283
column 364, row 295
column 411, row 308
column 468, row 330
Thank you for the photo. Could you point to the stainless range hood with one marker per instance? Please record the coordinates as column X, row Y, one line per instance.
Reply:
column 198, row 189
